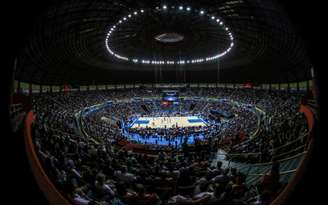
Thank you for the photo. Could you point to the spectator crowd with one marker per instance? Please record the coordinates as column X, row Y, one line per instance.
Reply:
column 96, row 169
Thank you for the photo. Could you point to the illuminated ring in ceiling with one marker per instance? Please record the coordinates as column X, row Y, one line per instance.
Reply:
column 166, row 61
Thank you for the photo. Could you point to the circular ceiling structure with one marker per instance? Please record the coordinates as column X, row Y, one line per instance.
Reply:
column 67, row 43
column 169, row 38
column 137, row 27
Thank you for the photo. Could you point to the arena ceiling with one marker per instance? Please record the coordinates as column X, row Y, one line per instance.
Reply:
column 67, row 43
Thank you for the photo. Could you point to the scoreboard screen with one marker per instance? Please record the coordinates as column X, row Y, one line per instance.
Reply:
column 170, row 96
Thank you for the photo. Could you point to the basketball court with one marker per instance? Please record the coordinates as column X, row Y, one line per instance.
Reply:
column 168, row 122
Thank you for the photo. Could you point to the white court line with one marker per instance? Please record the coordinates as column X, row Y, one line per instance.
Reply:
column 169, row 122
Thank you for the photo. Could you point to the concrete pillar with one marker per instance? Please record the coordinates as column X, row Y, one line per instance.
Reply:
column 30, row 89
column 18, row 87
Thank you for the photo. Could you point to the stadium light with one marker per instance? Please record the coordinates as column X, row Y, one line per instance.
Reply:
column 164, row 61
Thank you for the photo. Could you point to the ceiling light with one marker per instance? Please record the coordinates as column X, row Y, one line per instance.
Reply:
column 163, row 61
